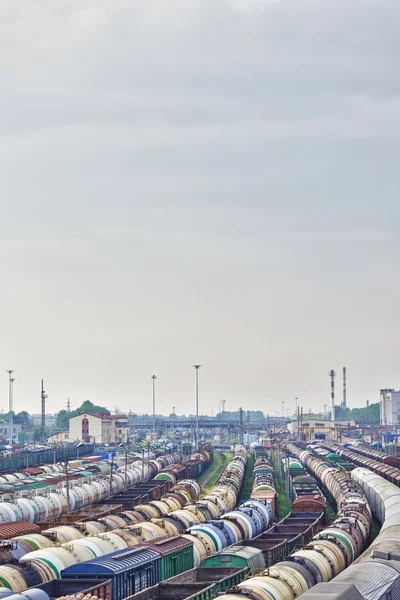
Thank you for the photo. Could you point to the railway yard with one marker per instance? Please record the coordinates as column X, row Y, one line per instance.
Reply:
column 293, row 520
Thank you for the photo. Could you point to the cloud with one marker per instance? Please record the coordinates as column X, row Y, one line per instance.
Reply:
column 210, row 180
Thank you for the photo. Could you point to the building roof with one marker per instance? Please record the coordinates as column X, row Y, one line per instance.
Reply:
column 103, row 416
column 307, row 418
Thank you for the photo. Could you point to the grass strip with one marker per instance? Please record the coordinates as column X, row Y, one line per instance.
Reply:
column 209, row 479
column 248, row 478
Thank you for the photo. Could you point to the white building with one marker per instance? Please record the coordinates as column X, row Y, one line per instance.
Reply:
column 98, row 427
column 390, row 407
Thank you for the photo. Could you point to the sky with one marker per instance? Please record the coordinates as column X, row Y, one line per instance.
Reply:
column 199, row 181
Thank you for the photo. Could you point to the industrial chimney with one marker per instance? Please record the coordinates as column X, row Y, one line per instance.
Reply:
column 332, row 375
column 344, row 404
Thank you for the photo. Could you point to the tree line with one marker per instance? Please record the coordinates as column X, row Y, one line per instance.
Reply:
column 369, row 415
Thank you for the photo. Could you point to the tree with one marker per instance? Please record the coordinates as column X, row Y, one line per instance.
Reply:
column 37, row 433
column 18, row 418
column 88, row 406
column 22, row 417
column 62, row 420
column 369, row 415
column 63, row 416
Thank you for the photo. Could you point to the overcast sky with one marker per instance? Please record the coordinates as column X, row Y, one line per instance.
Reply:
column 211, row 181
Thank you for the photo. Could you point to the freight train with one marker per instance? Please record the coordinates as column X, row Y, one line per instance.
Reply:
column 330, row 551
column 386, row 459
column 263, row 483
column 206, row 532
column 375, row 575
column 384, row 469
column 307, row 496
column 264, row 550
column 258, row 450
column 295, row 530
column 31, row 459
column 36, row 497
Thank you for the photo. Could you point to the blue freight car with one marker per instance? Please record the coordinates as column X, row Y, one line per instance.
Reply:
column 130, row 571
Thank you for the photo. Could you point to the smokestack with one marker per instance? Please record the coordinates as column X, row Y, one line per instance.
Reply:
column 332, row 375
column 367, row 403
column 344, row 405
column 43, row 396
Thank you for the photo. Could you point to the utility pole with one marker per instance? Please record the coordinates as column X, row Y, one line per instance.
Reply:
column 43, row 396
column 197, row 367
column 66, row 481
column 10, row 404
column 125, row 447
column 298, row 422
column 279, row 463
column 287, row 481
column 154, row 407
column 301, row 424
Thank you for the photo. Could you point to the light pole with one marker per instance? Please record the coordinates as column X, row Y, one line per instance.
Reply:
column 197, row 367
column 154, row 407
column 142, row 451
column 283, row 408
column 10, row 403
column 43, row 397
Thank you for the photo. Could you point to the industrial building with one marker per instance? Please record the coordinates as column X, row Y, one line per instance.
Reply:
column 389, row 407
column 99, row 428
column 313, row 428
